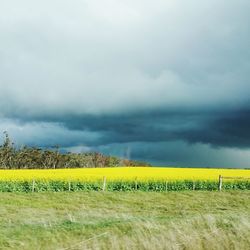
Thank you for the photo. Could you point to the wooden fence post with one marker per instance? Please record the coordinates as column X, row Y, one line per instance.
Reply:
column 136, row 184
column 104, row 183
column 193, row 185
column 33, row 186
column 69, row 186
column 220, row 182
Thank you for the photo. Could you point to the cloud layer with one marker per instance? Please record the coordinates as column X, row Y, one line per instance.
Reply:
column 117, row 74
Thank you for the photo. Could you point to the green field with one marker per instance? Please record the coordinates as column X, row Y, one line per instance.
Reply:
column 125, row 220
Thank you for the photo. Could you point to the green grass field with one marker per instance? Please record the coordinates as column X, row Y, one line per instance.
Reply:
column 125, row 220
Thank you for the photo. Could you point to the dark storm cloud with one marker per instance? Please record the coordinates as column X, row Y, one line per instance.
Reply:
column 178, row 153
column 231, row 129
column 220, row 129
column 104, row 74
column 162, row 138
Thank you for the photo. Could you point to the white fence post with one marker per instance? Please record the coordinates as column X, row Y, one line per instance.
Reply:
column 104, row 183
column 220, row 182
column 33, row 186
column 136, row 184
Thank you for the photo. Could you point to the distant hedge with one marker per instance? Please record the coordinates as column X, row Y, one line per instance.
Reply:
column 26, row 157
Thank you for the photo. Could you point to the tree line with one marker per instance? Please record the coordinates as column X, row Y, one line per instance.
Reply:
column 27, row 157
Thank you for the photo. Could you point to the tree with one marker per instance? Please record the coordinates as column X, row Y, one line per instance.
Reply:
column 34, row 157
column 7, row 152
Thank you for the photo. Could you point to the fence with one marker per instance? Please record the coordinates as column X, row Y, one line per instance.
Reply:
column 105, row 184
column 229, row 178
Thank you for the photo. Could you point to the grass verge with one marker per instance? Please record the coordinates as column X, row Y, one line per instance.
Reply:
column 125, row 220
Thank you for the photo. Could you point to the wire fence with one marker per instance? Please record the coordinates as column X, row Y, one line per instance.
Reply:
column 230, row 178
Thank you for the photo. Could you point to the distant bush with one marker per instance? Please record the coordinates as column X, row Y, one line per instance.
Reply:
column 26, row 157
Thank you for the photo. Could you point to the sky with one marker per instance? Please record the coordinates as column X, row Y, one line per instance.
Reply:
column 166, row 81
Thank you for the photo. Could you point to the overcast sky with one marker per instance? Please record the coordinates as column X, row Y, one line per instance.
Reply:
column 163, row 81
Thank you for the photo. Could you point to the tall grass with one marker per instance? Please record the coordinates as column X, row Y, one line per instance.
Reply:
column 125, row 220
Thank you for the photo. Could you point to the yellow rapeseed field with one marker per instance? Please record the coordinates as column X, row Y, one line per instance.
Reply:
column 121, row 173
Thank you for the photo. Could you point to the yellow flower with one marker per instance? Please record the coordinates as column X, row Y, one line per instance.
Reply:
column 121, row 173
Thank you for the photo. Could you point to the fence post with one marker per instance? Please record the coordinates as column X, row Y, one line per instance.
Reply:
column 104, row 183
column 220, row 182
column 69, row 186
column 136, row 184
column 33, row 186
column 193, row 185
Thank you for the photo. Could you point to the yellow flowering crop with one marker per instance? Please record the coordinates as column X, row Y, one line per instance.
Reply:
column 121, row 173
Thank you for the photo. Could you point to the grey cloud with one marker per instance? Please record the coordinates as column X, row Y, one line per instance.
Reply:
column 57, row 58
column 94, row 73
column 46, row 134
